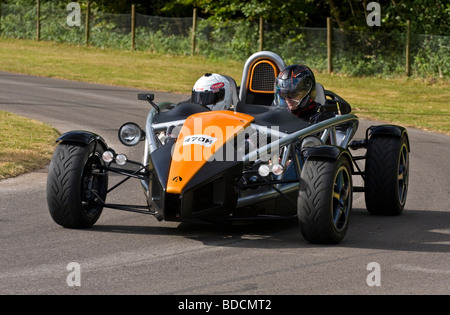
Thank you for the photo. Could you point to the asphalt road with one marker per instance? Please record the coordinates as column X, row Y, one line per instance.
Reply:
column 128, row 253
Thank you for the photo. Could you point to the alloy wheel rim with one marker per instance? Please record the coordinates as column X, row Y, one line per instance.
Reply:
column 402, row 177
column 341, row 199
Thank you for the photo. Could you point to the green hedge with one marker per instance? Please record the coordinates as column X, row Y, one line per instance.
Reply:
column 354, row 53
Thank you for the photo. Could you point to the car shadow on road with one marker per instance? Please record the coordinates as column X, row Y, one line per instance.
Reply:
column 414, row 230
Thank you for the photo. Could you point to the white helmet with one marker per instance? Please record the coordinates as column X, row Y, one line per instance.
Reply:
column 213, row 91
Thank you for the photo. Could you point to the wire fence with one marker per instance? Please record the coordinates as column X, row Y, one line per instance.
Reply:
column 353, row 53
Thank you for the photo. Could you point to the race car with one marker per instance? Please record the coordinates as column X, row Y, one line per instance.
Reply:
column 229, row 165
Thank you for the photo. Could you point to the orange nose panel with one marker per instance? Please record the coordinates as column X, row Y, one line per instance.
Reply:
column 200, row 137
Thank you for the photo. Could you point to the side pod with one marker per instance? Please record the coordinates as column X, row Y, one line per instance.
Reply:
column 85, row 137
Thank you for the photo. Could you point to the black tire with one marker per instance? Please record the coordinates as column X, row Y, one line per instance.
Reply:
column 386, row 174
column 71, row 182
column 325, row 200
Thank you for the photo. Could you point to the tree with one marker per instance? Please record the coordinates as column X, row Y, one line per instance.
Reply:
column 295, row 13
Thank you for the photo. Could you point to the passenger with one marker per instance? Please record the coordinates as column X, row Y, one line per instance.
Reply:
column 213, row 91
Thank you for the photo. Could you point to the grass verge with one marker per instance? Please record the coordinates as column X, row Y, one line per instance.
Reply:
column 143, row 70
column 25, row 145
column 408, row 102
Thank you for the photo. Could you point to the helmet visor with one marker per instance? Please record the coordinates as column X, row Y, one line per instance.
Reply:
column 292, row 88
column 207, row 97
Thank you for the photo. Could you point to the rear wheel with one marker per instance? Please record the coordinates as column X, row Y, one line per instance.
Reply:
column 387, row 174
column 325, row 200
column 74, row 186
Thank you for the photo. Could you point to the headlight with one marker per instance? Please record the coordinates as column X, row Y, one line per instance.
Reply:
column 277, row 169
column 311, row 141
column 263, row 170
column 121, row 159
column 131, row 134
column 108, row 156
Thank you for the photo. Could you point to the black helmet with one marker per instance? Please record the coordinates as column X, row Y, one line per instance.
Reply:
column 295, row 82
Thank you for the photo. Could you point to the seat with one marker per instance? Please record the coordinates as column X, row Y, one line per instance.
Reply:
column 320, row 94
column 261, row 83
column 234, row 91
column 258, row 78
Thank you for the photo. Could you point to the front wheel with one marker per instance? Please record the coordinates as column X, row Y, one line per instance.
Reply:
column 325, row 199
column 75, row 186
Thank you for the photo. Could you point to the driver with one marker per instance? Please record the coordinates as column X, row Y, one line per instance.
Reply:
column 295, row 90
column 212, row 91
